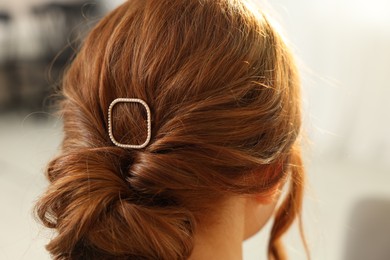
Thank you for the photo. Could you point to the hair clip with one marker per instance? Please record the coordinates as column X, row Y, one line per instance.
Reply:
column 129, row 100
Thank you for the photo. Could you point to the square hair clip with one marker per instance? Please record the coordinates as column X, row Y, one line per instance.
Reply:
column 129, row 100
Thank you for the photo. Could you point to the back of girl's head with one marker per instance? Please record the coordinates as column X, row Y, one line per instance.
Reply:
column 224, row 97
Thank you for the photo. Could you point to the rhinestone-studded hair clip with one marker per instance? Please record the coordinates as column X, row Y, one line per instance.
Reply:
column 129, row 100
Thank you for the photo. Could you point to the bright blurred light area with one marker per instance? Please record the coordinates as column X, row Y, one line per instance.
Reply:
column 342, row 48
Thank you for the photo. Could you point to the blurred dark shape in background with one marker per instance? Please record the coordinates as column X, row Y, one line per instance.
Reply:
column 369, row 231
column 31, row 67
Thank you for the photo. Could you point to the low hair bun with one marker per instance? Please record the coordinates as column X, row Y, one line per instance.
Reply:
column 98, row 215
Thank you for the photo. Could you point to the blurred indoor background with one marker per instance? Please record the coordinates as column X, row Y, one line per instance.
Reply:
column 343, row 50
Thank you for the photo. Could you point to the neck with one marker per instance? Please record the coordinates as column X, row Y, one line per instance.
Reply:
column 222, row 239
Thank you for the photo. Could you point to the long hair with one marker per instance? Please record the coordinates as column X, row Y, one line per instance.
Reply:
column 225, row 99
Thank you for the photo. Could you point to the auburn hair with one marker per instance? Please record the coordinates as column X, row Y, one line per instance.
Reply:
column 224, row 93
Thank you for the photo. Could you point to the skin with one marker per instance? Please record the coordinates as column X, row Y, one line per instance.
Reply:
column 240, row 218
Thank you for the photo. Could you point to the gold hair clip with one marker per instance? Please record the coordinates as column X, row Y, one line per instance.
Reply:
column 129, row 100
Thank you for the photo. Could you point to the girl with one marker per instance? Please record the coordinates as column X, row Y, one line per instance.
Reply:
column 181, row 121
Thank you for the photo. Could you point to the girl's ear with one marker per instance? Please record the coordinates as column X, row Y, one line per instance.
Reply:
column 272, row 193
column 258, row 210
column 260, row 207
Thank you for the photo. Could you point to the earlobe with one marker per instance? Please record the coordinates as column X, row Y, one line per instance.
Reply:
column 259, row 210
